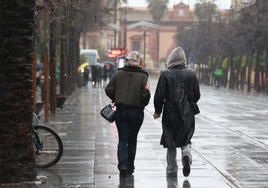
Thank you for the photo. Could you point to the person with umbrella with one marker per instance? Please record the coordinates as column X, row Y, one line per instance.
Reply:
column 85, row 74
column 105, row 74
column 38, row 77
column 100, row 74
column 94, row 71
column 111, row 72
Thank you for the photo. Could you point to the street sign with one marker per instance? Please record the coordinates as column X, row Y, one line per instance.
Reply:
column 112, row 55
column 114, row 52
column 192, row 59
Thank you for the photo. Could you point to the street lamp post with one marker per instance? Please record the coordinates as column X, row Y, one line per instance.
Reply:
column 144, row 45
column 125, row 32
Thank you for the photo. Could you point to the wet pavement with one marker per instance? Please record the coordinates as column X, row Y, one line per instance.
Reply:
column 230, row 145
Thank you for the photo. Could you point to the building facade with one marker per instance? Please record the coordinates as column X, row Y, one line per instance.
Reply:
column 236, row 5
column 144, row 38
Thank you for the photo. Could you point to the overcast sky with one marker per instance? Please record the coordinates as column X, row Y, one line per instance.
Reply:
column 222, row 4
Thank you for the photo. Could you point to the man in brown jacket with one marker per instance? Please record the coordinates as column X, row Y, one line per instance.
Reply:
column 129, row 90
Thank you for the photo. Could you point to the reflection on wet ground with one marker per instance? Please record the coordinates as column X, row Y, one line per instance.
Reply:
column 230, row 145
column 171, row 182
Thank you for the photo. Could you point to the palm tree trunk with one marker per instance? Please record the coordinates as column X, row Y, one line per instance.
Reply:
column 17, row 160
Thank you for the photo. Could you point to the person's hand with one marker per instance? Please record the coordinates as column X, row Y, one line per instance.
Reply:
column 156, row 115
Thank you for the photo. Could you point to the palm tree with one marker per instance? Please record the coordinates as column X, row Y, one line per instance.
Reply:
column 157, row 9
column 204, row 9
column 114, row 4
column 17, row 159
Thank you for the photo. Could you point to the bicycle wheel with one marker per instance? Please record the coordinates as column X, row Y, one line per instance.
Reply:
column 50, row 148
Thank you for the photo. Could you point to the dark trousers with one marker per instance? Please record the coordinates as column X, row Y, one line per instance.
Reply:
column 128, row 122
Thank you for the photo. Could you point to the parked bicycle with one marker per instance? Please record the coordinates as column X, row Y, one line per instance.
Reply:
column 48, row 146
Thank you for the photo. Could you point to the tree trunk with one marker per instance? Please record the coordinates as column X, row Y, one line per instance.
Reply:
column 224, row 78
column 249, row 60
column 17, row 160
column 263, row 81
column 77, row 59
column 63, row 54
column 84, row 36
column 70, row 62
column 257, row 73
column 243, row 74
column 238, row 77
column 231, row 81
column 266, row 70
column 52, row 53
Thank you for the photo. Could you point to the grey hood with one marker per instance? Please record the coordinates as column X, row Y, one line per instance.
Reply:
column 176, row 57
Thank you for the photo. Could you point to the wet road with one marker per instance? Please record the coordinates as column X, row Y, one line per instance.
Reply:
column 230, row 145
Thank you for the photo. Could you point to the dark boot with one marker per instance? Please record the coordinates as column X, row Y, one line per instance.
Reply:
column 123, row 173
column 187, row 166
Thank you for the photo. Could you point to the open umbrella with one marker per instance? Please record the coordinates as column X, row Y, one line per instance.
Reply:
column 106, row 65
column 110, row 63
column 83, row 66
column 97, row 65
column 39, row 66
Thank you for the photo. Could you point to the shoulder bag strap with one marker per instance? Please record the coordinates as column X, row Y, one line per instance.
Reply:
column 173, row 72
column 182, row 84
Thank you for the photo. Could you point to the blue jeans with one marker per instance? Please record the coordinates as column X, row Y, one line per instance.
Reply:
column 128, row 122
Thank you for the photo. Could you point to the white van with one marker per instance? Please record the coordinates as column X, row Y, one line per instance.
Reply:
column 92, row 57
column 90, row 54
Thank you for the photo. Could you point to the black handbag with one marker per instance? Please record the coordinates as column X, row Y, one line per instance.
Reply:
column 108, row 113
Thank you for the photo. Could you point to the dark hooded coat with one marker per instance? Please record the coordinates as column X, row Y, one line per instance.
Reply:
column 178, row 121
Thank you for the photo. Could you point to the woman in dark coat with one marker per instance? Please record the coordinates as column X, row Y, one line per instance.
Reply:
column 177, row 91
column 129, row 89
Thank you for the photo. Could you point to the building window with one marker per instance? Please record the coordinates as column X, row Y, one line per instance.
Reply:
column 136, row 46
column 181, row 12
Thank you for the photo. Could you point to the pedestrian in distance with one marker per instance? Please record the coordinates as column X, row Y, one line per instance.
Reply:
column 94, row 71
column 57, row 75
column 100, row 75
column 111, row 72
column 105, row 74
column 176, row 95
column 129, row 90
column 85, row 75
column 38, row 78
column 217, row 75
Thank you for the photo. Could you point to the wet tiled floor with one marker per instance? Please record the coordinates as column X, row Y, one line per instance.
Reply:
column 230, row 145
